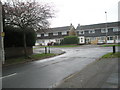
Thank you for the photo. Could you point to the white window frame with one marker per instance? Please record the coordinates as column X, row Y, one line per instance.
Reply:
column 81, row 32
column 46, row 34
column 64, row 33
column 91, row 31
column 115, row 29
column 103, row 30
column 92, row 38
column 55, row 33
column 109, row 38
column 38, row 35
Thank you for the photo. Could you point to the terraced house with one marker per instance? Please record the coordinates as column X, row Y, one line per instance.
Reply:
column 88, row 34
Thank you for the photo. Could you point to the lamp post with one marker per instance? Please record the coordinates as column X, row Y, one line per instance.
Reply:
column 106, row 26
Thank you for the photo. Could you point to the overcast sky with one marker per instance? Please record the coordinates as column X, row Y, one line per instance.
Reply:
column 83, row 12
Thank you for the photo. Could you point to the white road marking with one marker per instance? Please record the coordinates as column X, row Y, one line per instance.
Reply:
column 8, row 75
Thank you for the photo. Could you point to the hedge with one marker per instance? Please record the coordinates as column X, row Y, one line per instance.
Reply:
column 14, row 37
column 70, row 40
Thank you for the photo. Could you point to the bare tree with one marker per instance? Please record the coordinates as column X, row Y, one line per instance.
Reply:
column 27, row 14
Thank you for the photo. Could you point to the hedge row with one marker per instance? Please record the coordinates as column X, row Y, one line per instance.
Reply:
column 14, row 37
column 70, row 40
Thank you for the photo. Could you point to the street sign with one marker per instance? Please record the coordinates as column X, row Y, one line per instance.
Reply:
column 2, row 34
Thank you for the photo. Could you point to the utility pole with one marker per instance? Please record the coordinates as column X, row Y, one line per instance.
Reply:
column 2, row 56
column 106, row 26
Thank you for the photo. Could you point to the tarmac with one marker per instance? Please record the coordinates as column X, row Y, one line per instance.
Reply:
column 51, row 50
column 102, row 73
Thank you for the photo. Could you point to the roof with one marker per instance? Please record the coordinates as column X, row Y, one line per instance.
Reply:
column 56, row 29
column 79, row 27
column 94, row 26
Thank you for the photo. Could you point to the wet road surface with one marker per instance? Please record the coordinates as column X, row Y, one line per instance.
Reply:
column 48, row 72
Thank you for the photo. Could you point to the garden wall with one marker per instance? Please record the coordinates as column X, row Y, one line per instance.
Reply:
column 17, row 51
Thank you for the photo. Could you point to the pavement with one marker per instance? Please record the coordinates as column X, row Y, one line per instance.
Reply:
column 37, row 50
column 102, row 73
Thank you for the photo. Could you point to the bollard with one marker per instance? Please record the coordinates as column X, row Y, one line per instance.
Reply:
column 45, row 50
column 114, row 49
column 49, row 49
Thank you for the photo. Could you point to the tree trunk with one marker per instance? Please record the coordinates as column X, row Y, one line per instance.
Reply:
column 24, row 43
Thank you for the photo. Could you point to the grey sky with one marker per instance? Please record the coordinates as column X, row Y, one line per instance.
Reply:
column 83, row 11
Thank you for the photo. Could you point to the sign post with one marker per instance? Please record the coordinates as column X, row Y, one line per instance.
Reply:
column 2, row 34
column 1, row 44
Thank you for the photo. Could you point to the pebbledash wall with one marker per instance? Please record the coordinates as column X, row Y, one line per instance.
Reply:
column 88, row 34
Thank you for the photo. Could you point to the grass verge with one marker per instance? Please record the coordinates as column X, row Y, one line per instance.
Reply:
column 112, row 55
column 61, row 46
column 66, row 46
column 110, row 45
column 32, row 58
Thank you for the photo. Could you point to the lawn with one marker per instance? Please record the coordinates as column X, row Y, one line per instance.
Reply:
column 111, row 55
column 61, row 46
column 32, row 58
column 110, row 45
column 66, row 46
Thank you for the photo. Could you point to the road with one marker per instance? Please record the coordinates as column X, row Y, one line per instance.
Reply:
column 49, row 72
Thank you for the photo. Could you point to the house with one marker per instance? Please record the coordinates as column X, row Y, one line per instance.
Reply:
column 54, row 35
column 100, row 33
column 88, row 34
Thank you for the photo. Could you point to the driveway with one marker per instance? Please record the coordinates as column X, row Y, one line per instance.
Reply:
column 47, row 73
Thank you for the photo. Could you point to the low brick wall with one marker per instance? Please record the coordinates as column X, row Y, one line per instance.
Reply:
column 17, row 51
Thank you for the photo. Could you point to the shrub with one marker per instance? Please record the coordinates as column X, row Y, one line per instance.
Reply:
column 70, row 40
column 14, row 37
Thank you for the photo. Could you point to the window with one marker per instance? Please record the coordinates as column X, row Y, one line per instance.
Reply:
column 59, row 33
column 102, row 38
column 64, row 33
column 46, row 34
column 37, row 41
column 104, row 30
column 78, row 32
column 50, row 34
column 81, row 32
column 38, row 35
column 93, row 38
column 115, row 29
column 43, row 41
column 42, row 35
column 110, row 38
column 91, row 31
column 55, row 33
column 58, row 40
column 81, row 39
